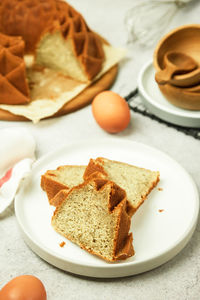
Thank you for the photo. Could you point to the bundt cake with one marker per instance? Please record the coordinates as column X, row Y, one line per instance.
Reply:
column 56, row 34
column 93, row 216
column 137, row 182
column 13, row 83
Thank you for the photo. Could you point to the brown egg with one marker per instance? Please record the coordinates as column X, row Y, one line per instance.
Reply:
column 111, row 111
column 25, row 287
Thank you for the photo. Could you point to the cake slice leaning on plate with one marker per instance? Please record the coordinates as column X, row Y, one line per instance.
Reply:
column 93, row 216
column 137, row 182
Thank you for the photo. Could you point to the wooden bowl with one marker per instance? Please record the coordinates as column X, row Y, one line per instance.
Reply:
column 179, row 97
column 184, row 39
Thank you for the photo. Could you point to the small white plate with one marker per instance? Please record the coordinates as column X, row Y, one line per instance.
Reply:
column 161, row 227
column 157, row 104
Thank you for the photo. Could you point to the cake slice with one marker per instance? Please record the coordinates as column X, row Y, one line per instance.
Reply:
column 93, row 216
column 137, row 182
column 64, row 177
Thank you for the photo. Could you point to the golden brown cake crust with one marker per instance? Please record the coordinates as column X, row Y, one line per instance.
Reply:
column 52, row 185
column 14, row 44
column 117, row 201
column 94, row 169
column 20, row 18
column 13, row 83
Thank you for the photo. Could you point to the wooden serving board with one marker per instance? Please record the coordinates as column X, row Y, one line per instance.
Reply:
column 83, row 99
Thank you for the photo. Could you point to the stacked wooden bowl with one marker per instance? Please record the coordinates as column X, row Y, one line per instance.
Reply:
column 177, row 64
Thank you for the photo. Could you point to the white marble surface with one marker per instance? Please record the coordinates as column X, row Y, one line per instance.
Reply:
column 177, row 279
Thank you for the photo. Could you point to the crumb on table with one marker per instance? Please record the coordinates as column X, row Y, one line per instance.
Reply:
column 160, row 189
column 62, row 244
column 161, row 210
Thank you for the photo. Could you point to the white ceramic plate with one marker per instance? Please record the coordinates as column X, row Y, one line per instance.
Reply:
column 157, row 104
column 158, row 235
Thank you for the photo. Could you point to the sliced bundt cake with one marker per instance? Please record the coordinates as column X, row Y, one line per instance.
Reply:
column 56, row 33
column 69, row 46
